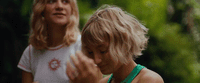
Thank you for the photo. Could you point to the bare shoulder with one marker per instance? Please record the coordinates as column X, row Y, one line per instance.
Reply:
column 105, row 79
column 149, row 76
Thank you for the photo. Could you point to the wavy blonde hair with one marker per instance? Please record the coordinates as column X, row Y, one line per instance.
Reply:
column 125, row 35
column 38, row 34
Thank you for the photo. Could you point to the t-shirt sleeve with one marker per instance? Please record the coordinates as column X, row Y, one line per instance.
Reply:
column 24, row 62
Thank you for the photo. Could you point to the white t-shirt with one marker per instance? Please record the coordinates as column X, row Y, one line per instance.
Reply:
column 48, row 66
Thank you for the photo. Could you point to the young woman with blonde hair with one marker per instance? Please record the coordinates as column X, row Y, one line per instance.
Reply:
column 112, row 39
column 53, row 38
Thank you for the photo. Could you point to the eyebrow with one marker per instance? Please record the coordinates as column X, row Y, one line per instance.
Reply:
column 97, row 47
column 102, row 46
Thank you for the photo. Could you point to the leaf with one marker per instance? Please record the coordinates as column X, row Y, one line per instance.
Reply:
column 26, row 7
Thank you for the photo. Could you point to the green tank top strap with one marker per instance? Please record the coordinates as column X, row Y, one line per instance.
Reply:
column 109, row 80
column 131, row 76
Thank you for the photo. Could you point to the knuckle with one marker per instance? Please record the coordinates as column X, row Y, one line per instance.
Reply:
column 92, row 61
column 84, row 60
column 76, row 64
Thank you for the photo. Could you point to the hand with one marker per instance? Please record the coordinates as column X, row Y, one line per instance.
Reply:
column 85, row 70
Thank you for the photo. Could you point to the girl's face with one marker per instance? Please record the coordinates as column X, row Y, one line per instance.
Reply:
column 57, row 12
column 101, row 56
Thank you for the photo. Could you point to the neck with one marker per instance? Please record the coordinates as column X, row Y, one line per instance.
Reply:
column 55, row 35
column 121, row 73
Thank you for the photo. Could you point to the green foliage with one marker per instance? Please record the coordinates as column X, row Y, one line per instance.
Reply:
column 196, row 29
column 84, row 11
column 26, row 7
column 176, row 55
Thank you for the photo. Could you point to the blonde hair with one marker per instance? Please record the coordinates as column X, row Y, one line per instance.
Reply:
column 125, row 35
column 38, row 34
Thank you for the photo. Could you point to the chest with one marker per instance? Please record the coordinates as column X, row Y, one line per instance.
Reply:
column 50, row 66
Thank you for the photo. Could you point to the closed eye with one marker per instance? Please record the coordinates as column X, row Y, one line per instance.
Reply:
column 103, row 52
column 90, row 55
column 66, row 1
column 90, row 52
column 51, row 1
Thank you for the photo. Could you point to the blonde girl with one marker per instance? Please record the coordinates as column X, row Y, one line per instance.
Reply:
column 54, row 36
column 113, row 39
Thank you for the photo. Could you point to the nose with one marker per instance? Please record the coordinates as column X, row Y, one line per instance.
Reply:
column 59, row 5
column 97, row 58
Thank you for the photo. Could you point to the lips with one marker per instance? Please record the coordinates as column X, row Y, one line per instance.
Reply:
column 59, row 14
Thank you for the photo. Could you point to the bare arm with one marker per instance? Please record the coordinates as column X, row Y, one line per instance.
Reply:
column 27, row 77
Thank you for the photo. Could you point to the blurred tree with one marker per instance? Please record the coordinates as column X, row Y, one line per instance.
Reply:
column 194, row 22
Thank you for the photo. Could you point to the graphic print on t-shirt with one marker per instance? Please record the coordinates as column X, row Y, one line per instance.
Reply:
column 54, row 64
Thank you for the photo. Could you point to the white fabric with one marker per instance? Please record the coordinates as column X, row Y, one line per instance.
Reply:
column 44, row 65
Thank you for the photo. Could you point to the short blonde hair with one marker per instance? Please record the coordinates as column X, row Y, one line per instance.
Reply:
column 38, row 34
column 125, row 35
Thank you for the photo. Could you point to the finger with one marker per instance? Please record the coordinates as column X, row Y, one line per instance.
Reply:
column 83, row 60
column 74, row 58
column 100, row 75
column 69, row 71
column 75, row 74
column 76, row 62
column 80, row 55
column 79, row 66
column 68, row 68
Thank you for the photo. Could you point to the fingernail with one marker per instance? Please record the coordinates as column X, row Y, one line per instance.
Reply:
column 78, row 52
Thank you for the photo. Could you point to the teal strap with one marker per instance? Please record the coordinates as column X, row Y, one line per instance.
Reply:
column 109, row 80
column 131, row 76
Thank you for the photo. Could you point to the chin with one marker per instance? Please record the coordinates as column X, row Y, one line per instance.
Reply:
column 106, row 71
column 60, row 22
